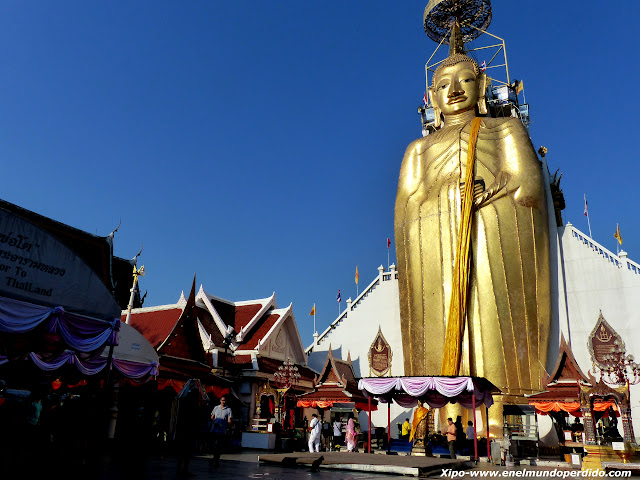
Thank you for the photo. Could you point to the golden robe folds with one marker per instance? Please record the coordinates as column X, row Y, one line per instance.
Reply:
column 506, row 334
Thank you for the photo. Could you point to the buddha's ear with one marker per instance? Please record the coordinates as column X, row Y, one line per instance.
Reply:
column 482, row 91
column 436, row 109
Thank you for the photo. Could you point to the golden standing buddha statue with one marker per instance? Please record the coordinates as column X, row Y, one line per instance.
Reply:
column 494, row 258
column 419, row 425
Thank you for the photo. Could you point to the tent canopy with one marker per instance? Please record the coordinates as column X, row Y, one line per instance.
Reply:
column 435, row 391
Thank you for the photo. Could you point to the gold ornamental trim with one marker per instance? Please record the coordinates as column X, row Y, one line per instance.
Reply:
column 604, row 340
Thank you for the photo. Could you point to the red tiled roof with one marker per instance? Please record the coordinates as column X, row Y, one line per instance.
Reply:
column 210, row 326
column 226, row 311
column 335, row 395
column 241, row 360
column 155, row 325
column 185, row 341
column 259, row 331
column 559, row 393
column 181, row 370
column 244, row 314
column 344, row 369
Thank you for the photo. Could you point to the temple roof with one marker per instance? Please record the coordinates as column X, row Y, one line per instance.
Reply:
column 566, row 368
column 257, row 333
column 336, row 383
column 563, row 383
column 337, row 372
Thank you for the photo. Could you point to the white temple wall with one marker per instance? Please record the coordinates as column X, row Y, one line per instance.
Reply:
column 353, row 332
column 595, row 283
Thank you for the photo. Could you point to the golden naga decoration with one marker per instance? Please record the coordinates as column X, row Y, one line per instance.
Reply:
column 472, row 240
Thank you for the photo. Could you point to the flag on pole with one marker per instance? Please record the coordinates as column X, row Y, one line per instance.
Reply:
column 483, row 66
column 617, row 235
column 357, row 275
column 519, row 86
column 313, row 310
column 424, row 99
column 338, row 297
column 586, row 211
column 388, row 243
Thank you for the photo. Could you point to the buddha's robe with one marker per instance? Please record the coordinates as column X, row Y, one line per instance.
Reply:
column 419, row 427
column 507, row 331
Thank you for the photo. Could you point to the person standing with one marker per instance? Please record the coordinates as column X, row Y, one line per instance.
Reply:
column 221, row 416
column 314, row 434
column 351, row 436
column 471, row 435
column 187, row 426
column 406, row 429
column 326, row 434
column 451, row 438
column 337, row 431
column 460, row 435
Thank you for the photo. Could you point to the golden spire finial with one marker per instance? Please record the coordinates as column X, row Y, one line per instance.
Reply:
column 456, row 44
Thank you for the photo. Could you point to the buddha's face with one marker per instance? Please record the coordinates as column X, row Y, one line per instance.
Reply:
column 456, row 89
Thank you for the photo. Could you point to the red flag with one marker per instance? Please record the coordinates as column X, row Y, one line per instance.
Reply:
column 388, row 243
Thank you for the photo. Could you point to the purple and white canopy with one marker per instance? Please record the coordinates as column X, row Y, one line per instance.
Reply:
column 435, row 391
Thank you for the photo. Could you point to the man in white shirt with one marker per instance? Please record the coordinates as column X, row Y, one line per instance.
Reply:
column 337, row 432
column 314, row 434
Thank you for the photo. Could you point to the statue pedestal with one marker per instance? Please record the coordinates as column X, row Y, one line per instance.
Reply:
column 418, row 451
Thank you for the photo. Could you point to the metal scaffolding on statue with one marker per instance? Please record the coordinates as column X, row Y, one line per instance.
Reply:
column 473, row 18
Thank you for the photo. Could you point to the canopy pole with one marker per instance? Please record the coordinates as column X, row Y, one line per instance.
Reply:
column 488, row 441
column 369, row 444
column 475, row 428
column 389, row 426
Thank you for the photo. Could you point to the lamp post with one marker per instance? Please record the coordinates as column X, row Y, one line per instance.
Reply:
column 228, row 340
column 285, row 377
column 620, row 368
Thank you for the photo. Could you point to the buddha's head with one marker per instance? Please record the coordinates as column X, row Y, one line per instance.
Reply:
column 458, row 86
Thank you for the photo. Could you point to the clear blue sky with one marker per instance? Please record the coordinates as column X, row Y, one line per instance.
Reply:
column 258, row 144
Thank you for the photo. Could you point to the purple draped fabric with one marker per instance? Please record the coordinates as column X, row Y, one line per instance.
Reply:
column 128, row 368
column 135, row 370
column 81, row 333
column 435, row 391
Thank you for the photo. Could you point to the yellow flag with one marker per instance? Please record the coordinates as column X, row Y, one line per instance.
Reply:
column 519, row 86
column 313, row 310
column 617, row 235
column 357, row 275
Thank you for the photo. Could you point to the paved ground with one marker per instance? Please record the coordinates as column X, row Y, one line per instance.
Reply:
column 237, row 466
column 246, row 466
column 380, row 463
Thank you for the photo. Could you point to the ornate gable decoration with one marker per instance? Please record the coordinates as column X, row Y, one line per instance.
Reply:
column 380, row 356
column 604, row 342
column 280, row 342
